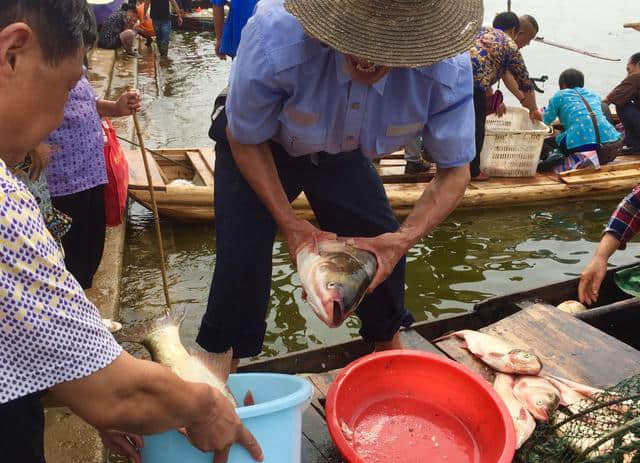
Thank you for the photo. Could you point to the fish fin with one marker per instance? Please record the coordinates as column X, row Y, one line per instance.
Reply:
column 248, row 399
column 218, row 364
column 137, row 332
column 495, row 355
column 447, row 336
column 578, row 387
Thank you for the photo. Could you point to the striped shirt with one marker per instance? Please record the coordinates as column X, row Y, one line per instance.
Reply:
column 625, row 220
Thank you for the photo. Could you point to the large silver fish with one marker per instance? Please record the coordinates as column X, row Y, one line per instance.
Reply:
column 162, row 338
column 497, row 353
column 335, row 277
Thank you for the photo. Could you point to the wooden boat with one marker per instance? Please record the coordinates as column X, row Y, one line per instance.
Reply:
column 192, row 199
column 597, row 347
column 198, row 21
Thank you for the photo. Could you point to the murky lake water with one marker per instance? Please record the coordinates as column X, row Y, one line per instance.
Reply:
column 471, row 256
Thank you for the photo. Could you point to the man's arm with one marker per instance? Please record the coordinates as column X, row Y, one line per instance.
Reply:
column 624, row 92
column 143, row 397
column 439, row 199
column 218, row 24
column 256, row 164
column 177, row 10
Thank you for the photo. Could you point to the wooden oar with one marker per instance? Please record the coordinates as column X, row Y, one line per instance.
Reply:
column 154, row 208
column 575, row 50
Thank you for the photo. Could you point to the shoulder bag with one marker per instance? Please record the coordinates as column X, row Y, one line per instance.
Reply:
column 607, row 152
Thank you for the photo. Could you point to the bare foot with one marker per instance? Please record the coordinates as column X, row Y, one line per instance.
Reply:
column 481, row 177
column 395, row 343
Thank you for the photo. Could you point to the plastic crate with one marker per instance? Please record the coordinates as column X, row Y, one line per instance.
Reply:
column 512, row 144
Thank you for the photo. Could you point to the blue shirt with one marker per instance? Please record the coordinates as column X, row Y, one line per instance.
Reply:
column 567, row 106
column 239, row 14
column 290, row 88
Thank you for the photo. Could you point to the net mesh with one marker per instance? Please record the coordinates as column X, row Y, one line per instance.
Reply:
column 605, row 428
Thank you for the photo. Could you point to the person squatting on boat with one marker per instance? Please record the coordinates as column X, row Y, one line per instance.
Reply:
column 493, row 53
column 623, row 225
column 118, row 30
column 51, row 336
column 626, row 98
column 317, row 89
column 572, row 105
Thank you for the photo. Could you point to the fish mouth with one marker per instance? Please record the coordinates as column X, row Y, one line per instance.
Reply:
column 337, row 313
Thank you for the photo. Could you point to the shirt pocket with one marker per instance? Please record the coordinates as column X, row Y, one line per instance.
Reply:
column 302, row 134
column 397, row 136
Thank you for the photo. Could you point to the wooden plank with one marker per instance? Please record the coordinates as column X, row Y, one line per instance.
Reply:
column 201, row 166
column 566, row 346
column 414, row 341
column 593, row 177
column 138, row 176
column 314, row 429
column 612, row 167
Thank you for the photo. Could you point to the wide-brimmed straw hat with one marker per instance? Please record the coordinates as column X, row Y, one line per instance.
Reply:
column 398, row 33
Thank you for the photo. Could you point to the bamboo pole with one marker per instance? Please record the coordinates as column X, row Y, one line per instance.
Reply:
column 508, row 5
column 154, row 208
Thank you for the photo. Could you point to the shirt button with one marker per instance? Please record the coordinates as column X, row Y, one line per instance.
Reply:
column 355, row 106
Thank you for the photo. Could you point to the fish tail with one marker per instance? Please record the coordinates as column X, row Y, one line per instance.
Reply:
column 447, row 336
column 137, row 332
column 218, row 364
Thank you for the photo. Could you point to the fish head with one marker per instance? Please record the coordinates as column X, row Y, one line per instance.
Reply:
column 524, row 362
column 541, row 403
column 335, row 279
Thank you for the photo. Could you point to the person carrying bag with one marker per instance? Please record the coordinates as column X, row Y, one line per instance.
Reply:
column 607, row 152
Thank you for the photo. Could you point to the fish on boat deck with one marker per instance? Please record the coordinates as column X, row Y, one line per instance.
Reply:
column 522, row 419
column 496, row 353
column 162, row 338
column 538, row 395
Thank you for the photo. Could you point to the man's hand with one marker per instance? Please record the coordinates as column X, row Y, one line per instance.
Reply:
column 123, row 444
column 128, row 103
column 220, row 55
column 220, row 430
column 591, row 279
column 388, row 248
column 40, row 159
column 301, row 232
column 535, row 115
column 180, row 21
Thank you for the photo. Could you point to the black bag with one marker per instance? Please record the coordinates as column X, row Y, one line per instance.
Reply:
column 217, row 131
column 607, row 152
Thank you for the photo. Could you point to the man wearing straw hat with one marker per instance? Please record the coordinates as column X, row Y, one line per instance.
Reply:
column 317, row 89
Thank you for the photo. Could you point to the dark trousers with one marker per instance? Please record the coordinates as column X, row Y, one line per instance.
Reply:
column 84, row 243
column 480, row 108
column 629, row 115
column 347, row 197
column 22, row 430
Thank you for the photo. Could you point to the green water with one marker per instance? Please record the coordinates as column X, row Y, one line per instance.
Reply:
column 471, row 256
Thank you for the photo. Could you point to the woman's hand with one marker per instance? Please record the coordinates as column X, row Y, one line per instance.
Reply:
column 123, row 444
column 40, row 159
column 128, row 103
column 591, row 279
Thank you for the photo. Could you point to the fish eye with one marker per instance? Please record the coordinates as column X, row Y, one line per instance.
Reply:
column 331, row 285
column 539, row 402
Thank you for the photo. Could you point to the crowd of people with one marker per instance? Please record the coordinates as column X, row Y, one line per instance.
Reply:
column 312, row 99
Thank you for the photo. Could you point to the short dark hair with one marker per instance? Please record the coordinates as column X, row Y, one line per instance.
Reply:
column 90, row 29
column 57, row 24
column 531, row 20
column 635, row 58
column 571, row 78
column 506, row 20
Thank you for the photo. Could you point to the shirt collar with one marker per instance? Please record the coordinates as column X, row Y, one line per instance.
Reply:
column 344, row 76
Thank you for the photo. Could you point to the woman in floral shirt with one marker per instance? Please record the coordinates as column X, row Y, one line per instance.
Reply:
column 495, row 53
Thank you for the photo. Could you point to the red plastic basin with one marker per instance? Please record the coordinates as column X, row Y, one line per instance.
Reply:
column 406, row 406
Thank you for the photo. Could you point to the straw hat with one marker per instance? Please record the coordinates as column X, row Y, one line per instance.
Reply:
column 398, row 33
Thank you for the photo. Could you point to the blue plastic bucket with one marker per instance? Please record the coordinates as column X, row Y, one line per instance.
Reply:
column 275, row 421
